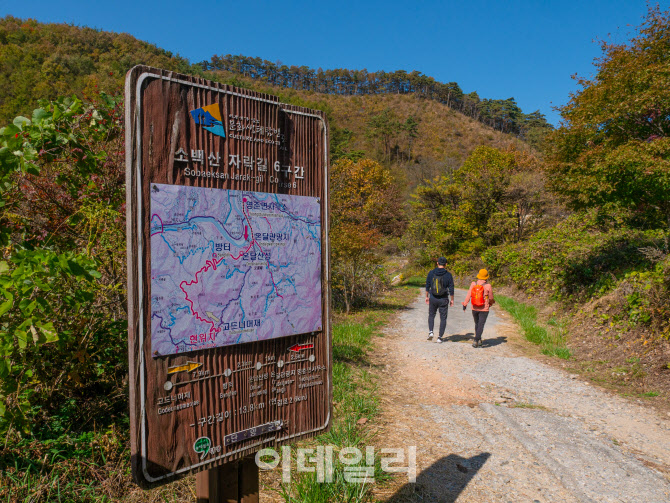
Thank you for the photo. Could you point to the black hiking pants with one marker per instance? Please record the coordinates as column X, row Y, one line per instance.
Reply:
column 480, row 320
column 435, row 304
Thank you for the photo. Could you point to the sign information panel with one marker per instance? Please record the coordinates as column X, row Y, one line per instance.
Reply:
column 246, row 267
column 228, row 294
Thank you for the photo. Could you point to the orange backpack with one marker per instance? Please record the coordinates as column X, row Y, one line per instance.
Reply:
column 478, row 296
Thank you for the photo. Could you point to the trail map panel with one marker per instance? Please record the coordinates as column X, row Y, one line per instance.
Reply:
column 229, row 334
column 230, row 267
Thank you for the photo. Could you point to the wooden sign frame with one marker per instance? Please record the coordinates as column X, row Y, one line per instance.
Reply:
column 192, row 410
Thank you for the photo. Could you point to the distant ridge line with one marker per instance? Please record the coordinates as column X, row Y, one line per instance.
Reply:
column 502, row 115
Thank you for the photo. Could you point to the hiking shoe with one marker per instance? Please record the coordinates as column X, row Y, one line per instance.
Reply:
column 440, row 340
column 430, row 336
column 477, row 344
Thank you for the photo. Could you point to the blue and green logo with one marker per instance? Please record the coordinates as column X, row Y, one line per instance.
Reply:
column 209, row 118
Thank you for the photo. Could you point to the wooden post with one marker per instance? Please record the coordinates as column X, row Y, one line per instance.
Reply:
column 230, row 483
column 248, row 480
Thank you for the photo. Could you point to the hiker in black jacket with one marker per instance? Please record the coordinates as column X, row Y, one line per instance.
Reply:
column 439, row 286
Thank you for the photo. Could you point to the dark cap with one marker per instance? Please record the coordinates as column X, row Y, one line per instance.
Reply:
column 442, row 261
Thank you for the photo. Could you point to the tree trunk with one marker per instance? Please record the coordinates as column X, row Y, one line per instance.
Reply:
column 346, row 294
column 353, row 284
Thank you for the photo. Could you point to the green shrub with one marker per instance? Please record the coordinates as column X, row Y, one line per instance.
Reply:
column 63, row 324
column 577, row 259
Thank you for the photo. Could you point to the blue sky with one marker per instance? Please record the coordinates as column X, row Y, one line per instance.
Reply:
column 521, row 48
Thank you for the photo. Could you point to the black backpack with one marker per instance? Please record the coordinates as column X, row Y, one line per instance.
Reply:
column 440, row 286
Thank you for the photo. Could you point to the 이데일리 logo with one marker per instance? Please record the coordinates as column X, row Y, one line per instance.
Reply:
column 209, row 117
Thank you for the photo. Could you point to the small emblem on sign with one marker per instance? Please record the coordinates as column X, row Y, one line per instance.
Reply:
column 201, row 446
column 210, row 118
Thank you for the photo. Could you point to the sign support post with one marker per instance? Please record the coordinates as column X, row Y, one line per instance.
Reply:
column 231, row 483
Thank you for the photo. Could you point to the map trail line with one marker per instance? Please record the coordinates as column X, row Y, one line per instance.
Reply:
column 210, row 264
column 181, row 285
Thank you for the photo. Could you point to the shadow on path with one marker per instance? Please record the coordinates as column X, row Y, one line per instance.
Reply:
column 443, row 481
column 460, row 337
column 468, row 337
column 494, row 341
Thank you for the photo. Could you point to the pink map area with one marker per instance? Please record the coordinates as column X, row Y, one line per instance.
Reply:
column 229, row 267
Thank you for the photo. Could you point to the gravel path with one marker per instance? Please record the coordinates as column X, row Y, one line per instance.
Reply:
column 491, row 425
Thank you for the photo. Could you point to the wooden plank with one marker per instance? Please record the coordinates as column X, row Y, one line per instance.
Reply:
column 168, row 409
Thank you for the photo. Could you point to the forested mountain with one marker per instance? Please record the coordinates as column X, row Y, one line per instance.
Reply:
column 421, row 126
column 417, row 128
column 420, row 138
column 502, row 115
column 49, row 60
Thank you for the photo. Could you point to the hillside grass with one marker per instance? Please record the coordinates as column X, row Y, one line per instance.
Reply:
column 607, row 281
column 584, row 256
column 445, row 137
column 552, row 339
column 618, row 271
column 48, row 60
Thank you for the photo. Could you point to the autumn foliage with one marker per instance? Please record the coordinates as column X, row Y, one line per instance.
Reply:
column 495, row 197
column 613, row 146
column 365, row 209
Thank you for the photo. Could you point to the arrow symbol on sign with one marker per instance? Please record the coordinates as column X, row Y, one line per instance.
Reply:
column 189, row 367
column 299, row 347
column 246, row 233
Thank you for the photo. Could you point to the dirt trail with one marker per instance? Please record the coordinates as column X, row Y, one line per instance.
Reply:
column 491, row 425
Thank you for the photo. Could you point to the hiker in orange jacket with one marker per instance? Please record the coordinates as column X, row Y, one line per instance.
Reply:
column 481, row 296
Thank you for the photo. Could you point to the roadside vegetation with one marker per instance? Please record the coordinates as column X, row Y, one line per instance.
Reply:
column 606, row 262
column 581, row 227
column 550, row 339
column 92, row 464
column 355, row 402
column 63, row 367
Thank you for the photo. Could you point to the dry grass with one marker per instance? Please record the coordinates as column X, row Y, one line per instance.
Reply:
column 631, row 360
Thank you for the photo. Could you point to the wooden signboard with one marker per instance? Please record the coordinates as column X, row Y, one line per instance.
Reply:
column 228, row 298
